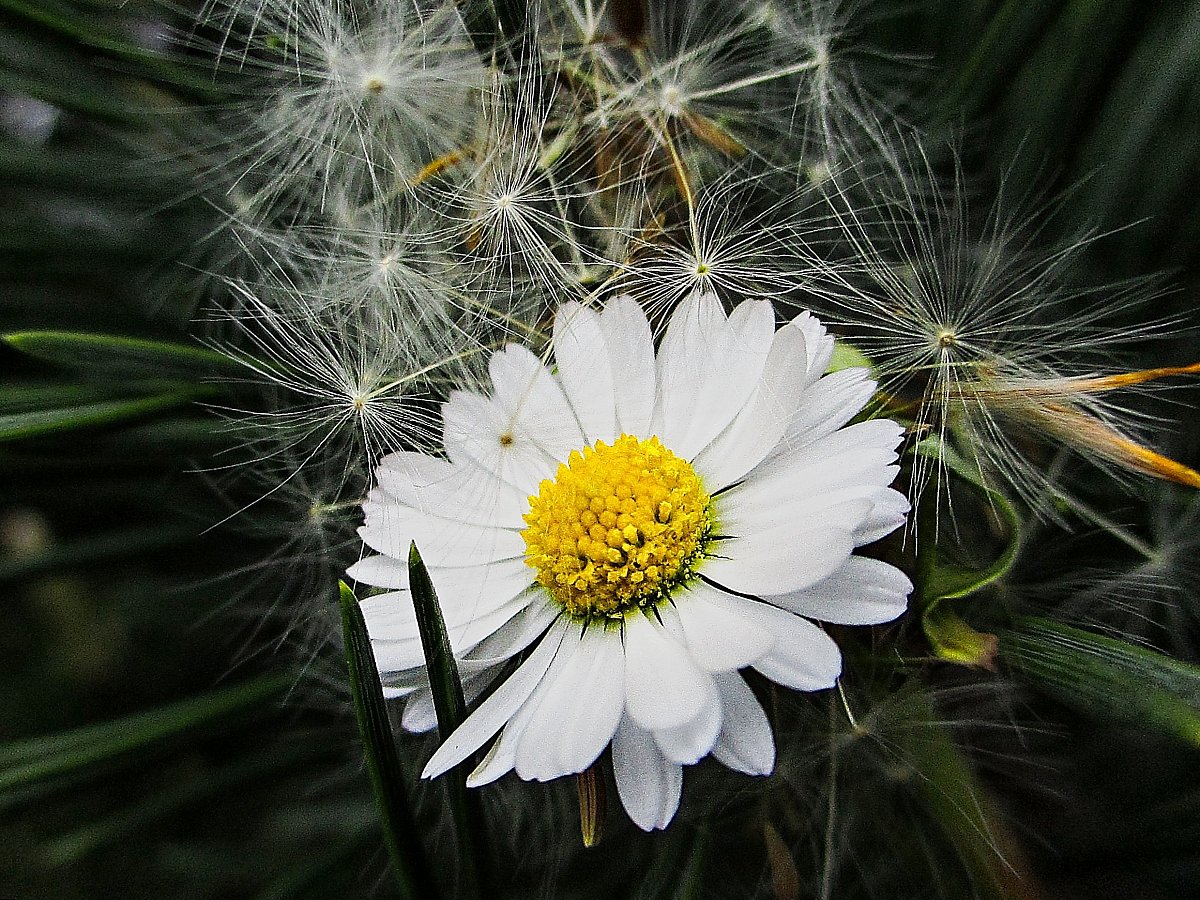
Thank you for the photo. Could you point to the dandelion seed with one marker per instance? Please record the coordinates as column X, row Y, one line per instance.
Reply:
column 356, row 97
column 648, row 526
column 507, row 205
column 346, row 380
column 968, row 329
column 735, row 245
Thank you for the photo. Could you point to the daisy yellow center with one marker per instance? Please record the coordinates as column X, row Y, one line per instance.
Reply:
column 617, row 528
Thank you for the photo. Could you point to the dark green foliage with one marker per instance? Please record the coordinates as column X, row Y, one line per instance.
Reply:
column 150, row 746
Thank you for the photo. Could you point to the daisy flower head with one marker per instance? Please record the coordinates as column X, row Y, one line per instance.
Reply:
column 641, row 527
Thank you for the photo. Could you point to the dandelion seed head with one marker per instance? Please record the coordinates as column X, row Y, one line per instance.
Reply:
column 733, row 244
column 981, row 324
column 672, row 99
column 345, row 97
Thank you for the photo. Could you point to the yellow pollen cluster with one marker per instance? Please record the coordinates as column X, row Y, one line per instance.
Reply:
column 617, row 528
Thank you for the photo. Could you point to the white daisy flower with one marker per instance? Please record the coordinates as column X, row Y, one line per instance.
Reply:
column 649, row 526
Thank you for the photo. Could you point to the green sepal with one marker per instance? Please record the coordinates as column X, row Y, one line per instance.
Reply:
column 847, row 356
column 411, row 871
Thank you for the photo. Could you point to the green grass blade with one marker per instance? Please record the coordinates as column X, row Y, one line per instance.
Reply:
column 1011, row 37
column 115, row 354
column 24, row 763
column 961, row 806
column 1106, row 677
column 36, row 423
column 451, row 708
column 82, row 99
column 310, row 879
column 411, row 871
column 71, row 846
column 17, row 397
column 448, row 699
column 89, row 32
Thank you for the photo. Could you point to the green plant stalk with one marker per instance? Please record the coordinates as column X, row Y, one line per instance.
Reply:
column 451, row 707
column 412, row 873
column 952, row 638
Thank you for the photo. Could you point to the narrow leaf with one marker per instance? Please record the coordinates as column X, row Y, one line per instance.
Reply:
column 89, row 31
column 124, row 542
column 120, row 354
column 67, row 847
column 451, row 708
column 35, row 423
column 27, row 762
column 1012, row 36
column 959, row 803
column 411, row 871
column 1106, row 677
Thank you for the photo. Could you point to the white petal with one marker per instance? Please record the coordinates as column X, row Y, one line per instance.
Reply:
column 390, row 528
column 829, row 404
column 842, row 499
column 648, row 783
column 631, row 352
column 516, row 634
column 478, row 668
column 889, row 512
column 465, row 493
column 718, row 639
column 581, row 352
column 732, row 378
column 862, row 592
column 403, row 683
column 476, row 431
column 533, row 401
column 835, row 457
column 694, row 339
column 804, row 656
column 502, row 755
column 420, row 714
column 497, row 709
column 690, row 742
column 582, row 704
column 745, row 743
column 783, row 559
column 708, row 367
column 663, row 687
column 380, row 571
column 819, row 343
column 403, row 650
column 498, row 761
column 463, row 592
column 763, row 421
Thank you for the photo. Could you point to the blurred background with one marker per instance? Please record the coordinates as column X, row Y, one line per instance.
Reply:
column 175, row 721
